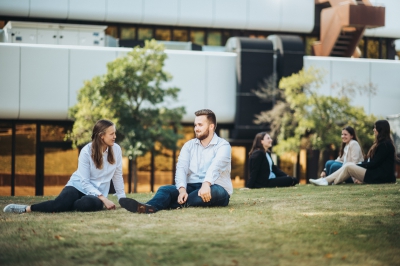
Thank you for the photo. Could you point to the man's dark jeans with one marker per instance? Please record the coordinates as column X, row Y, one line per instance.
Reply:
column 167, row 197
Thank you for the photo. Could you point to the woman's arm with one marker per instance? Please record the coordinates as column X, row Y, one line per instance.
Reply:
column 117, row 178
column 354, row 154
column 382, row 153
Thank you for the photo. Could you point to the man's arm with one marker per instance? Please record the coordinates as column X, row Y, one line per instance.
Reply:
column 220, row 163
column 182, row 169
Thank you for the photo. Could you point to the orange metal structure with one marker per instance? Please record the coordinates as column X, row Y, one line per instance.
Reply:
column 343, row 25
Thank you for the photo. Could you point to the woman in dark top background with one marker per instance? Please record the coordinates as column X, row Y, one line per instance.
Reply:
column 378, row 168
column 263, row 172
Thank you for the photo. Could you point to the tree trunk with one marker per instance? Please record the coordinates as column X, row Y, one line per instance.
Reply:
column 132, row 176
column 152, row 168
column 321, row 161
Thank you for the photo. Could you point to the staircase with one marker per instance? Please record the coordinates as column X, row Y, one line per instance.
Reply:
column 343, row 25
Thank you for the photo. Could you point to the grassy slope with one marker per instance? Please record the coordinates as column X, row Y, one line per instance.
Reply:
column 304, row 225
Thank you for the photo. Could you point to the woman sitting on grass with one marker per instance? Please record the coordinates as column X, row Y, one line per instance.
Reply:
column 87, row 190
column 263, row 172
column 379, row 168
column 350, row 151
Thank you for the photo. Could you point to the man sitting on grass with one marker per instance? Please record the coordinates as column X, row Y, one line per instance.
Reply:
column 202, row 173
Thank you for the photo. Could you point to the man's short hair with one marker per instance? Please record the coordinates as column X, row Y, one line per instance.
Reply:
column 210, row 116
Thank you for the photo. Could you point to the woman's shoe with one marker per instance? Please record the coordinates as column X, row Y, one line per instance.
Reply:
column 319, row 182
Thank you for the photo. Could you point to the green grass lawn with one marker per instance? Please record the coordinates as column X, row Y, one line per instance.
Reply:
column 304, row 225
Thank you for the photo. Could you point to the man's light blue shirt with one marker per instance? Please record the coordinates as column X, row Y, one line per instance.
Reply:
column 198, row 164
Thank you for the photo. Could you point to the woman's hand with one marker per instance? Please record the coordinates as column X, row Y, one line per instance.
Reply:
column 323, row 174
column 108, row 203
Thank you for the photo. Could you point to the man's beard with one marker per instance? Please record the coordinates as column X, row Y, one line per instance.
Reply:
column 203, row 136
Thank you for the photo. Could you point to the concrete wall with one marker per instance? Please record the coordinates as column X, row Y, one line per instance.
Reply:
column 42, row 81
column 273, row 15
column 383, row 75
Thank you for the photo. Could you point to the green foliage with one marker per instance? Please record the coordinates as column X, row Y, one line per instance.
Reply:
column 308, row 119
column 132, row 95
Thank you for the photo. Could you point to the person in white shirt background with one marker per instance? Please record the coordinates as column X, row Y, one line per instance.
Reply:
column 350, row 151
column 99, row 162
column 202, row 176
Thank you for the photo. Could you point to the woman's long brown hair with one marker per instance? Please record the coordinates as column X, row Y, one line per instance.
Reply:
column 257, row 145
column 383, row 128
column 99, row 130
column 352, row 132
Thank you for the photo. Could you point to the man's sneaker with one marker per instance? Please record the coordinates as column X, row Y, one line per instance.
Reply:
column 319, row 182
column 17, row 208
column 135, row 206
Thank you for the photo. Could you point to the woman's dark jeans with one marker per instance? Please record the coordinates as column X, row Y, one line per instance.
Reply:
column 167, row 197
column 70, row 199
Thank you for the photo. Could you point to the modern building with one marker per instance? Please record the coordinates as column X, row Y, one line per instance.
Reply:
column 219, row 51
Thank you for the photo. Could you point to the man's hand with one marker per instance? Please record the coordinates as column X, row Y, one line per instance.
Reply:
column 205, row 192
column 183, row 195
column 108, row 203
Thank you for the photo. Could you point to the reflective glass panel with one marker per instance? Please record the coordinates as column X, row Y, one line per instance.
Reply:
column 25, row 159
column 180, row 35
column 59, row 165
column 163, row 34
column 197, row 37
column 373, row 49
column 145, row 33
column 5, row 159
column 214, row 38
column 238, row 166
column 53, row 132
column 128, row 33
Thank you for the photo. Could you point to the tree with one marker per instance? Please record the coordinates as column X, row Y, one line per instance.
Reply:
column 307, row 119
column 132, row 95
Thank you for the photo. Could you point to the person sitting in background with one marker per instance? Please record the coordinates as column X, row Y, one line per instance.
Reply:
column 350, row 151
column 263, row 172
column 378, row 168
column 203, row 172
column 99, row 162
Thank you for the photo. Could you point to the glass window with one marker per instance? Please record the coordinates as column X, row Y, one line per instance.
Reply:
column 373, row 49
column 128, row 33
column 238, row 166
column 214, row 38
column 197, row 36
column 59, row 165
column 145, row 33
column 5, row 159
column 53, row 132
column 112, row 31
column 143, row 173
column 384, row 49
column 180, row 35
column 163, row 34
column 25, row 159
column 361, row 47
